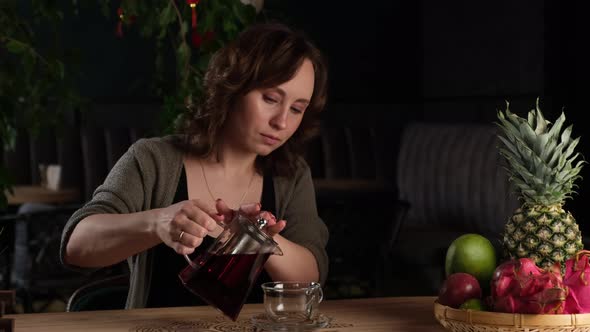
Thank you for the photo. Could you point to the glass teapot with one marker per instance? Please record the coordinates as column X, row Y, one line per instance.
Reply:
column 223, row 276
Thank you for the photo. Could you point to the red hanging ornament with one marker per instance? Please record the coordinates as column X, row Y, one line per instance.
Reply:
column 209, row 36
column 119, row 31
column 193, row 5
column 196, row 39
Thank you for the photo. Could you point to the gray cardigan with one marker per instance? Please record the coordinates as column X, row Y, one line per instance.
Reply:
column 146, row 177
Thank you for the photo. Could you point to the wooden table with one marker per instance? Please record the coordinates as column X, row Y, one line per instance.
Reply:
column 367, row 315
column 39, row 194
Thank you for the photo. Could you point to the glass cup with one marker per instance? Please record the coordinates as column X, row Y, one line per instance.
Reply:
column 292, row 302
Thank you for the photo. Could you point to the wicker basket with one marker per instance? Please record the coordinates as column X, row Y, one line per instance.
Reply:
column 484, row 321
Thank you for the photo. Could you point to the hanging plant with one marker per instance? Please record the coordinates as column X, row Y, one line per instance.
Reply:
column 36, row 88
column 194, row 30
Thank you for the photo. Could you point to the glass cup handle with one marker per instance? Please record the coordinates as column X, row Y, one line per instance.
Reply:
column 321, row 294
column 317, row 294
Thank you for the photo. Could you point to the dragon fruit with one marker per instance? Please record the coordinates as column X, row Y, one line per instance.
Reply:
column 577, row 279
column 520, row 286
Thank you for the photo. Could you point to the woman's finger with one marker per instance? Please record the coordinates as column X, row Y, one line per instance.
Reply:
column 251, row 209
column 276, row 228
column 205, row 216
column 269, row 217
column 188, row 240
column 181, row 249
column 224, row 210
column 193, row 220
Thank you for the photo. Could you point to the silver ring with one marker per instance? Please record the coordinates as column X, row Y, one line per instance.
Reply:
column 180, row 236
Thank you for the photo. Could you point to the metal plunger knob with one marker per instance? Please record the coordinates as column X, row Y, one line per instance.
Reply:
column 261, row 222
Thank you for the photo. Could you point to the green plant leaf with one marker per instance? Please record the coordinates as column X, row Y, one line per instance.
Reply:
column 9, row 138
column 16, row 47
column 105, row 7
column 203, row 61
column 29, row 62
column 162, row 34
column 59, row 70
column 167, row 15
column 246, row 14
column 183, row 53
column 229, row 27
column 209, row 21
column 183, row 30
column 6, row 183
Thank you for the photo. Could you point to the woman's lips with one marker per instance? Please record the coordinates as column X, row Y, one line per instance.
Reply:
column 269, row 139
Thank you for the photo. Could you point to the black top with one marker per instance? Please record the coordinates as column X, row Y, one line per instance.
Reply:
column 166, row 289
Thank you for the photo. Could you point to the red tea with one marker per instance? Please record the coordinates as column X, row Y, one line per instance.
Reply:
column 224, row 281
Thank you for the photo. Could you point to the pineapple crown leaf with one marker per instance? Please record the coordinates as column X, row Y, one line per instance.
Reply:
column 566, row 135
column 573, row 173
column 540, row 155
column 541, row 124
column 559, row 157
column 517, row 129
column 517, row 168
column 549, row 152
column 537, row 141
column 537, row 171
column 508, row 119
column 511, row 132
column 510, row 148
column 570, row 148
column 563, row 159
column 516, row 161
column 556, row 128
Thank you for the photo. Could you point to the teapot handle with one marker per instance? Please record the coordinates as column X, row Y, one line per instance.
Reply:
column 190, row 262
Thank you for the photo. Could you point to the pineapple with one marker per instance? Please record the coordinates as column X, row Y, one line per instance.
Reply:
column 540, row 162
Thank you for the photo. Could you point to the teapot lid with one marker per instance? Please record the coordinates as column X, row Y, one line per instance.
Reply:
column 254, row 229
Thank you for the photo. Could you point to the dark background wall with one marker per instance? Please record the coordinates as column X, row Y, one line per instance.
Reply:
column 454, row 61
column 391, row 63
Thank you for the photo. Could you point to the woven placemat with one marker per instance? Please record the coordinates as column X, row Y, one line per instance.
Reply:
column 216, row 324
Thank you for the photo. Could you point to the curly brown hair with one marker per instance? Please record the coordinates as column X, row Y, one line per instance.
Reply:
column 264, row 55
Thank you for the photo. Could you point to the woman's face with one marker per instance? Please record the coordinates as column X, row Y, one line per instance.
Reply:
column 264, row 119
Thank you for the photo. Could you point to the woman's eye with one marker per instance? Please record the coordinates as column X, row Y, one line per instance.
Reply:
column 270, row 99
column 296, row 110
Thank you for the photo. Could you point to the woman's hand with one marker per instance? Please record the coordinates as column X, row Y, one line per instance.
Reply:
column 273, row 226
column 182, row 226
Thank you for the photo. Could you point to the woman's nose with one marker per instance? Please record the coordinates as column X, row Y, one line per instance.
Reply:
column 279, row 120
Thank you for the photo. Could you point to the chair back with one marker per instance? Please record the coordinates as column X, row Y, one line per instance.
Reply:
column 454, row 178
column 7, row 302
column 104, row 294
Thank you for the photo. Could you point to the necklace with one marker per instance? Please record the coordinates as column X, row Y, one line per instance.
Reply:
column 211, row 193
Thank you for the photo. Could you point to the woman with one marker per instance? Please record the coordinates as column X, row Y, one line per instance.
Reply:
column 166, row 196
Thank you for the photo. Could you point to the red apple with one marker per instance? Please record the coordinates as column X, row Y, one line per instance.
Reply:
column 458, row 288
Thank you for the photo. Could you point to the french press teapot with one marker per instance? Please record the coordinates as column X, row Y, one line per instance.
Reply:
column 223, row 276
